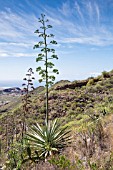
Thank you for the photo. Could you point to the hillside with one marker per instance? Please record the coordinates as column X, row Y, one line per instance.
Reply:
column 86, row 106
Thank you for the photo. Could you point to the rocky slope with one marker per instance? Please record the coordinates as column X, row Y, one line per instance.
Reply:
column 85, row 106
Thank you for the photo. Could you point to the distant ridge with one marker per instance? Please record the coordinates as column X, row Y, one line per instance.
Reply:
column 12, row 90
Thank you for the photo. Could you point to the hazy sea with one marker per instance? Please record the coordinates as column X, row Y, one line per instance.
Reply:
column 14, row 83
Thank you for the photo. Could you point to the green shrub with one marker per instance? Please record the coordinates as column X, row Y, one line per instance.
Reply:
column 105, row 74
column 63, row 163
column 90, row 82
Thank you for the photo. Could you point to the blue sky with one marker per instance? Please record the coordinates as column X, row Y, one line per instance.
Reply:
column 82, row 28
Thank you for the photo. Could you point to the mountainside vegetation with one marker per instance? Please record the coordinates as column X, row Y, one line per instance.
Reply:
column 85, row 106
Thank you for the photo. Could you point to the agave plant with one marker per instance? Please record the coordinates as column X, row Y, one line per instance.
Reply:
column 48, row 139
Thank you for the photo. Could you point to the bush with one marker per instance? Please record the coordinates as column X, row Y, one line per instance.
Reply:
column 90, row 82
column 105, row 74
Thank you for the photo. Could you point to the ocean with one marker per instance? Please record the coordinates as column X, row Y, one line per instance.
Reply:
column 14, row 83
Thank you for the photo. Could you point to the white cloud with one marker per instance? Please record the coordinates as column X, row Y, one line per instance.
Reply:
column 90, row 9
column 89, row 31
column 16, row 29
column 94, row 74
column 77, row 7
column 90, row 40
column 14, row 54
column 17, row 37
column 97, row 12
column 16, row 44
column 66, row 9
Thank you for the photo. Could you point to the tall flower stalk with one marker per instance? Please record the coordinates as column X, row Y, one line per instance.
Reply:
column 28, row 86
column 46, row 55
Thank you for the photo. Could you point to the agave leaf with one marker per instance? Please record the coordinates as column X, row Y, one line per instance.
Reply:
column 49, row 138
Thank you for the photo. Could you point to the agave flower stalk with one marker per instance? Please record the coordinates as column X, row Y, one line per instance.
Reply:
column 47, row 54
column 28, row 86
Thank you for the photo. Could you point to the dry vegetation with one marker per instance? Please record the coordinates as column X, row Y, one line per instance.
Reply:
column 86, row 107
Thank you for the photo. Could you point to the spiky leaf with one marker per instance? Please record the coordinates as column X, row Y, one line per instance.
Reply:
column 49, row 138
